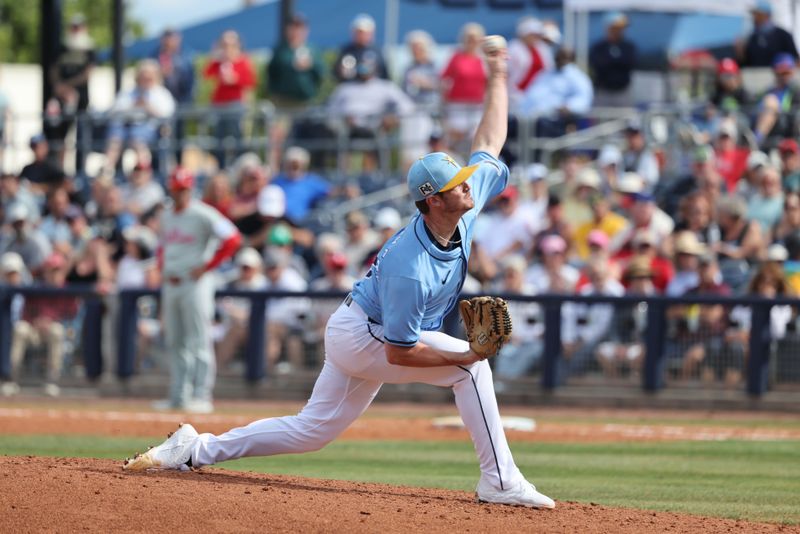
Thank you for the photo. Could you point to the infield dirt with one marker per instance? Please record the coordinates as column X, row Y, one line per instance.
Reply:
column 40, row 494
column 69, row 494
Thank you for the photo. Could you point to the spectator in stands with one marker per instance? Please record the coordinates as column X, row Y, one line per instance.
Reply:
column 748, row 183
column 280, row 238
column 559, row 98
column 688, row 250
column 271, row 206
column 506, row 230
column 137, row 269
column 704, row 179
column 556, row 224
column 111, row 219
column 730, row 96
column 42, row 323
column 13, row 191
column 138, row 115
column 176, row 67
column 586, row 326
column 79, row 230
column 730, row 159
column 141, row 193
column 767, row 40
column 644, row 251
column 361, row 239
column 285, row 316
column 421, row 84
column 234, row 78
column 643, row 214
column 624, row 350
column 697, row 217
column 69, row 81
column 609, row 164
column 553, row 274
column 296, row 70
column 766, row 206
column 250, row 179
column 368, row 105
column 716, row 351
column 236, row 311
column 528, row 55
column 609, row 224
column 303, row 189
column 218, row 193
column 612, row 61
column 790, row 165
column 55, row 226
column 421, row 79
column 577, row 210
column 12, row 274
column 777, row 114
column 638, row 157
column 464, row 86
column 177, row 72
column 790, row 221
column 24, row 239
column 361, row 49
column 598, row 252
column 741, row 243
column 92, row 266
column 523, row 352
column 41, row 173
column 534, row 207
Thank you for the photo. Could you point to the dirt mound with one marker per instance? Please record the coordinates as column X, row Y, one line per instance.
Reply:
column 69, row 494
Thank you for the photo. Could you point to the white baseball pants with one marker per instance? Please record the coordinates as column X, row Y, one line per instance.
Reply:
column 354, row 370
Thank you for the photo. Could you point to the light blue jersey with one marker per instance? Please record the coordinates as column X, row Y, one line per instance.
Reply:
column 413, row 283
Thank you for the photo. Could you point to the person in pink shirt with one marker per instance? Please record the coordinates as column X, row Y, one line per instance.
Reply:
column 464, row 85
column 234, row 77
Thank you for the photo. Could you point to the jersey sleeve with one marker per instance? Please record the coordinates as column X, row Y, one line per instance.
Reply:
column 488, row 180
column 402, row 320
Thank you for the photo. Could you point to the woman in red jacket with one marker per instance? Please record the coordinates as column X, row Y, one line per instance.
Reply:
column 464, row 85
column 235, row 79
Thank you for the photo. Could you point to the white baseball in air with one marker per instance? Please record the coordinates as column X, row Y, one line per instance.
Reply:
column 494, row 43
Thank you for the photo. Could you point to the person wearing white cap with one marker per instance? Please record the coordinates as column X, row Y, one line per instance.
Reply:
column 612, row 60
column 21, row 237
column 360, row 50
column 527, row 56
column 388, row 329
column 748, row 183
column 236, row 311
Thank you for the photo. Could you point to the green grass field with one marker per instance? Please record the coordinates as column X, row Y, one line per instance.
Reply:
column 753, row 480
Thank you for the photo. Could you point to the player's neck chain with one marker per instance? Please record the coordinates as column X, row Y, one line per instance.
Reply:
column 444, row 240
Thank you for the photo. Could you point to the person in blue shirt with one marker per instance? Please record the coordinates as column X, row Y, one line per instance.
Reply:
column 558, row 97
column 612, row 60
column 303, row 189
column 386, row 330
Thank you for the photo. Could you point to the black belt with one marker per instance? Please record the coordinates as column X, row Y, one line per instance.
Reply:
column 348, row 300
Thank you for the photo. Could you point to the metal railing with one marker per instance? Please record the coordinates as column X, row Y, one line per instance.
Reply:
column 655, row 335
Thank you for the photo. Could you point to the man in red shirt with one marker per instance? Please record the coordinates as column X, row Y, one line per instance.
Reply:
column 235, row 79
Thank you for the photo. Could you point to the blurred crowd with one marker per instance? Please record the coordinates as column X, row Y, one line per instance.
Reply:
column 610, row 222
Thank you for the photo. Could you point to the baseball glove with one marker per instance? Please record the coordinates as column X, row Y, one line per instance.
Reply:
column 487, row 323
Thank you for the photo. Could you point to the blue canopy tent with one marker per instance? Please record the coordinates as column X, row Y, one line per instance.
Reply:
column 654, row 31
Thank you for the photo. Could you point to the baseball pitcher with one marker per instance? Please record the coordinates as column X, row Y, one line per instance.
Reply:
column 387, row 329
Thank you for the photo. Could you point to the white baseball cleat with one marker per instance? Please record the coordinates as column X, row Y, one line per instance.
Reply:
column 172, row 454
column 523, row 493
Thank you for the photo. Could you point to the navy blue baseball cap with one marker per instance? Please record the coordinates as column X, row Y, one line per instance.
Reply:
column 436, row 173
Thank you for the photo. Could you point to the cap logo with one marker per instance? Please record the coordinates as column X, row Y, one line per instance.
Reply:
column 426, row 189
column 451, row 161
